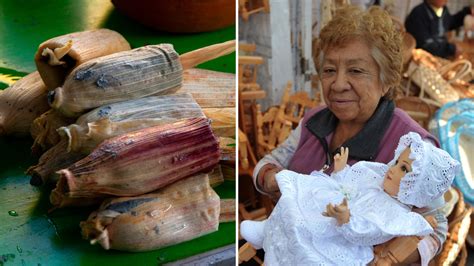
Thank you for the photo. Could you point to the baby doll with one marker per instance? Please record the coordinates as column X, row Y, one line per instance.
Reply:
column 306, row 227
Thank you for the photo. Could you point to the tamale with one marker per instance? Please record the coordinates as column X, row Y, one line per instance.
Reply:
column 179, row 212
column 209, row 88
column 141, row 72
column 215, row 178
column 57, row 57
column 43, row 130
column 21, row 103
column 222, row 120
column 116, row 119
column 54, row 159
column 141, row 161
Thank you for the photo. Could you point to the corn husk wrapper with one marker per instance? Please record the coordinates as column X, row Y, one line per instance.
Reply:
column 204, row 54
column 57, row 57
column 209, row 88
column 141, row 161
column 54, row 159
column 117, row 119
column 215, row 179
column 179, row 212
column 21, row 103
column 43, row 130
column 222, row 120
column 215, row 176
column 141, row 72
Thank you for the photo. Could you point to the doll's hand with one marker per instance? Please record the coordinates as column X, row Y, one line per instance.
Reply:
column 340, row 159
column 340, row 212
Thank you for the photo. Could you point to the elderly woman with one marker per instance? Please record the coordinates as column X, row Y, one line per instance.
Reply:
column 359, row 63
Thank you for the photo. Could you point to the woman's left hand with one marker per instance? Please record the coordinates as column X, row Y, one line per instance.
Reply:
column 340, row 212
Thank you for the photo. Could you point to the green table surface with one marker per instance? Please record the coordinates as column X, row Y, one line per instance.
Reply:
column 34, row 236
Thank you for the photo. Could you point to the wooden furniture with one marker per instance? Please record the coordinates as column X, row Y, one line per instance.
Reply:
column 291, row 111
column 281, row 126
column 264, row 127
column 247, row 252
column 247, row 48
column 417, row 108
column 248, row 66
column 296, row 105
column 247, row 160
column 249, row 91
column 249, row 7
column 275, row 125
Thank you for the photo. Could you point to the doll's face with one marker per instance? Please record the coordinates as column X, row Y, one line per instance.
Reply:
column 402, row 166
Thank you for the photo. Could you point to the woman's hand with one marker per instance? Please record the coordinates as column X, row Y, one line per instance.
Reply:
column 340, row 212
column 266, row 180
column 402, row 250
column 340, row 159
column 381, row 262
column 432, row 221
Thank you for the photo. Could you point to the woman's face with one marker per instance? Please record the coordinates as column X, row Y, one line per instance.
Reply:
column 402, row 166
column 351, row 84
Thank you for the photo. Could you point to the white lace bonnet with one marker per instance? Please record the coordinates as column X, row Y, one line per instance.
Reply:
column 433, row 171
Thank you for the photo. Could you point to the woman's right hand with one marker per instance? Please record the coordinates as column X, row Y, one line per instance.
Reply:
column 266, row 180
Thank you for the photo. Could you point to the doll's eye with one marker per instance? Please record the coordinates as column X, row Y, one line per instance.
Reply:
column 404, row 169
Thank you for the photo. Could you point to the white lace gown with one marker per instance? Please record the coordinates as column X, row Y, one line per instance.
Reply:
column 296, row 232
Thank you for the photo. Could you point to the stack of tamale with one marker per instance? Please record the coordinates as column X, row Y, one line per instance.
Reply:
column 139, row 130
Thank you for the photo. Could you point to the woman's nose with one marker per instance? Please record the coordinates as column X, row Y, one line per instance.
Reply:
column 340, row 83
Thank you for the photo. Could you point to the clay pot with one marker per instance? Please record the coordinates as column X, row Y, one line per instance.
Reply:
column 180, row 15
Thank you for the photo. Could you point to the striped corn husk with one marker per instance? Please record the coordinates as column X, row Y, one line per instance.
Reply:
column 141, row 161
column 119, row 118
column 222, row 120
column 210, row 88
column 141, row 72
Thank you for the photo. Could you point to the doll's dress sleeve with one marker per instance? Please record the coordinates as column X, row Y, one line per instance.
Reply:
column 362, row 174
